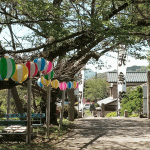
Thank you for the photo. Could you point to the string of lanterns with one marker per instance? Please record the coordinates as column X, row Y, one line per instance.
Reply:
column 20, row 72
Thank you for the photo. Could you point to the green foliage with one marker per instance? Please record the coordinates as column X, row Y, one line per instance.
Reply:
column 133, row 101
column 112, row 114
column 96, row 105
column 134, row 115
column 22, row 92
column 96, row 89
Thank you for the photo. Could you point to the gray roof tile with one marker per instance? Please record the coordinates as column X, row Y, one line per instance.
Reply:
column 130, row 77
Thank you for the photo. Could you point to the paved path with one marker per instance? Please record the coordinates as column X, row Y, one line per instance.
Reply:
column 116, row 133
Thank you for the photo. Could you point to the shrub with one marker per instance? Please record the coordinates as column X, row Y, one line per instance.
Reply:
column 112, row 114
column 133, row 101
column 134, row 115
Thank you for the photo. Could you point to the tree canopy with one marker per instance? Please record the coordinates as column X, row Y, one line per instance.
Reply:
column 71, row 32
column 96, row 89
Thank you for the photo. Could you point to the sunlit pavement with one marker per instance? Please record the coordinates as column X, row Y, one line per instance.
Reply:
column 116, row 133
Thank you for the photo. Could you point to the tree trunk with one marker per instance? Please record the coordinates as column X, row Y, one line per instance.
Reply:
column 17, row 100
column 71, row 104
column 53, row 117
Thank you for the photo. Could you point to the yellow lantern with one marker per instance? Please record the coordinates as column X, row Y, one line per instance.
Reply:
column 20, row 74
column 74, row 84
column 55, row 83
column 45, row 82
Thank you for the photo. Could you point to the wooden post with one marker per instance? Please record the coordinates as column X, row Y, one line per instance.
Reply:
column 102, row 110
column 148, row 95
column 62, row 109
column 48, row 108
column 8, row 102
column 28, row 139
column 71, row 104
column 125, row 113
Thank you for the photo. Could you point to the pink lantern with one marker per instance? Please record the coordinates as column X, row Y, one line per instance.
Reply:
column 63, row 85
column 48, row 68
column 32, row 69
column 77, row 85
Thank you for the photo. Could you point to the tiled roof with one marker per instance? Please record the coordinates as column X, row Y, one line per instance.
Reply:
column 130, row 77
column 106, row 101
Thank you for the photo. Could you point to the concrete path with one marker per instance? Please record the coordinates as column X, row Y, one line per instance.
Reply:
column 117, row 133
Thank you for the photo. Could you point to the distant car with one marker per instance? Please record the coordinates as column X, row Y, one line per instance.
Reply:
column 87, row 106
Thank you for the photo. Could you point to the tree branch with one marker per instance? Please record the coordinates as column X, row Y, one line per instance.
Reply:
column 44, row 45
column 92, row 7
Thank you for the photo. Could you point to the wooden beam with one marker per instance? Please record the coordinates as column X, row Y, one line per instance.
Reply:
column 62, row 109
column 48, row 108
column 28, row 139
column 148, row 95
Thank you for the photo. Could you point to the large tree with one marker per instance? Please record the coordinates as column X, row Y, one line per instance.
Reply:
column 71, row 32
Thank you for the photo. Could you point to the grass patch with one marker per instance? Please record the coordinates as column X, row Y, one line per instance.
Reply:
column 87, row 112
column 41, row 141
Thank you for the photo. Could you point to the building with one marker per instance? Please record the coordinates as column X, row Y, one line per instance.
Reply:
column 132, row 79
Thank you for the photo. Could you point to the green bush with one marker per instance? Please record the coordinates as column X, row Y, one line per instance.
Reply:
column 134, row 115
column 112, row 114
column 133, row 101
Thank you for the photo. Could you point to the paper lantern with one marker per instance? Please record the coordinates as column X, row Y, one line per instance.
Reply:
column 55, row 83
column 41, row 63
column 20, row 74
column 74, row 84
column 32, row 69
column 44, row 81
column 63, row 85
column 77, row 85
column 49, row 76
column 7, row 67
column 69, row 85
column 48, row 68
column 39, row 83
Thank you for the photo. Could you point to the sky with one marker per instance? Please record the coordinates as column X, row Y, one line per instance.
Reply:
column 113, row 62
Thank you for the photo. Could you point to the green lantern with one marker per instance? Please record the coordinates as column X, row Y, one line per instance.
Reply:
column 49, row 75
column 7, row 67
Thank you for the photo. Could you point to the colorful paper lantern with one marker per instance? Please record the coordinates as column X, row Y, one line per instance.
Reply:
column 63, row 85
column 49, row 76
column 77, row 85
column 7, row 67
column 55, row 83
column 32, row 69
column 39, row 83
column 74, row 84
column 20, row 74
column 41, row 63
column 69, row 85
column 45, row 82
column 48, row 68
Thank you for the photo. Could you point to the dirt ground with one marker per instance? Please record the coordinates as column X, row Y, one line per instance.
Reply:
column 116, row 133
